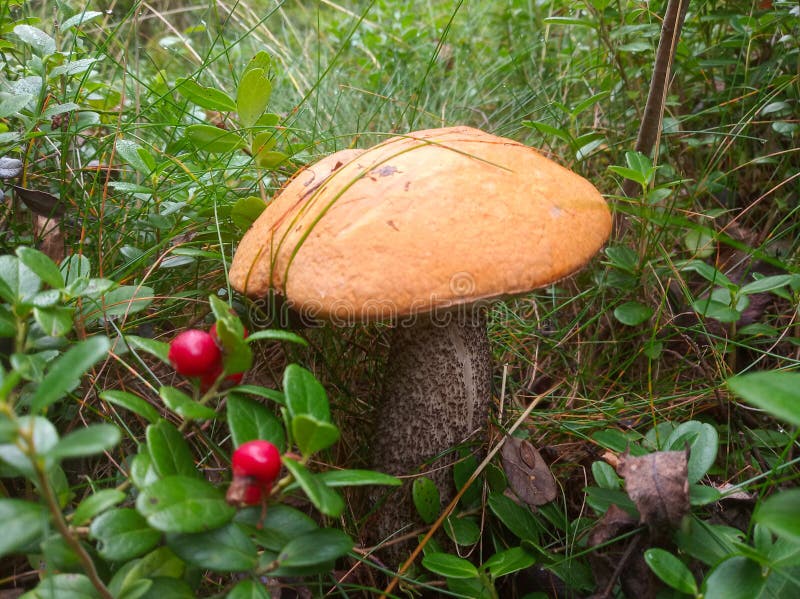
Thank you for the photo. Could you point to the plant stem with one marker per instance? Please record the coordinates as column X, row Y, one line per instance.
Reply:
column 650, row 128
column 63, row 529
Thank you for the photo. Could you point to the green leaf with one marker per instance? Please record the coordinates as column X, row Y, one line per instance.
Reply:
column 20, row 282
column 74, row 268
column 226, row 549
column 95, row 504
column 281, row 524
column 275, row 335
column 159, row 349
column 80, row 19
column 38, row 40
column 56, row 321
column 779, row 513
column 23, row 523
column 246, row 210
column 315, row 547
column 169, row 451
column 326, row 500
column 735, row 578
column 355, row 478
column 425, row 495
column 252, row 96
column 205, row 97
column 605, row 476
column 184, row 504
column 183, row 405
column 462, row 531
column 123, row 534
column 158, row 566
column 270, row 158
column 765, row 284
column 508, row 561
column 249, row 420
column 64, row 375
column 44, row 436
column 703, row 442
column 777, row 392
column 248, row 589
column 632, row 313
column 130, row 152
column 42, row 265
column 123, row 301
column 304, row 394
column 449, row 566
column 93, row 439
column 63, row 586
column 672, row 571
column 131, row 402
column 208, row 138
column 11, row 106
column 519, row 520
column 261, row 60
column 312, row 435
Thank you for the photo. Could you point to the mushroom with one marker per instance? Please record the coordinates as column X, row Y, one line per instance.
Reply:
column 423, row 230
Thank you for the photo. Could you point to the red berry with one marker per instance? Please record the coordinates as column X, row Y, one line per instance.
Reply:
column 194, row 353
column 260, row 460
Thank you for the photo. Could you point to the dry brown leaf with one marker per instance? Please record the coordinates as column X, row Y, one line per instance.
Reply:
column 658, row 485
column 528, row 474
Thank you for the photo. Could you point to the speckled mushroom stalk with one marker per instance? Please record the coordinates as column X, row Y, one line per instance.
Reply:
column 436, row 394
column 434, row 220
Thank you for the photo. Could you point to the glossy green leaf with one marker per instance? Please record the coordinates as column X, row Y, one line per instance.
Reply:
column 248, row 589
column 44, row 436
column 449, row 566
column 20, row 282
column 159, row 349
column 780, row 514
column 184, row 504
column 122, row 301
column 183, row 405
column 315, row 547
column 64, row 375
column 632, row 313
column 765, row 284
column 42, row 265
column 95, row 504
column 270, row 158
column 312, row 435
column 205, row 97
column 276, row 335
column 23, row 523
column 246, row 210
column 225, row 549
column 75, row 267
column 735, row 578
column 123, row 534
column 169, row 451
column 519, row 520
column 281, row 524
column 38, row 40
column 208, row 138
column 63, row 586
column 672, row 571
column 777, row 392
column 56, row 321
column 305, row 394
column 252, row 96
column 508, row 561
column 354, row 478
column 131, row 402
column 325, row 499
column 703, row 441
column 158, row 566
column 425, row 495
column 462, row 531
column 605, row 476
column 249, row 420
column 79, row 19
column 94, row 439
column 128, row 150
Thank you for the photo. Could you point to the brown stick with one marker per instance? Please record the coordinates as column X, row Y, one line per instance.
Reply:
column 650, row 128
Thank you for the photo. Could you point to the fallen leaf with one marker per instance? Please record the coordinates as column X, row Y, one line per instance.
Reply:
column 528, row 474
column 659, row 486
column 40, row 202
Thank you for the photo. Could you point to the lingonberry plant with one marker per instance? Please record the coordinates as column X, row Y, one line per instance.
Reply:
column 195, row 353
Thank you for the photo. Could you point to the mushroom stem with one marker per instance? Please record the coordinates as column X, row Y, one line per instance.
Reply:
column 437, row 393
